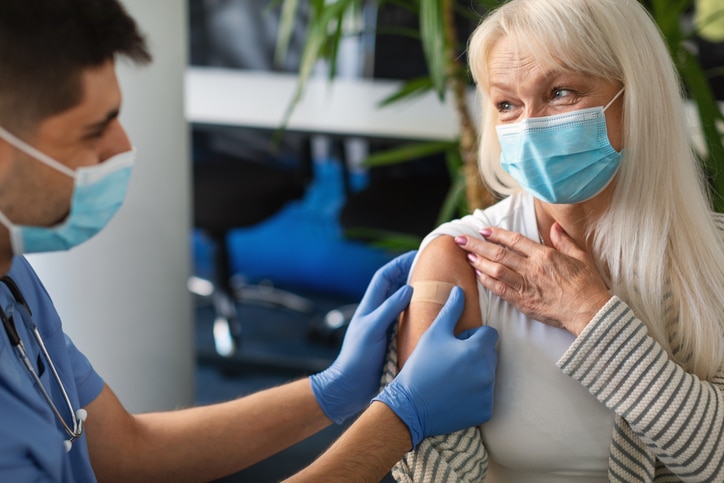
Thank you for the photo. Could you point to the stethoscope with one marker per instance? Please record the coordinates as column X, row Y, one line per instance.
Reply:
column 22, row 309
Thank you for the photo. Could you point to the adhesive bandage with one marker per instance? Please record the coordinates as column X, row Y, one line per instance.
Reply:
column 431, row 291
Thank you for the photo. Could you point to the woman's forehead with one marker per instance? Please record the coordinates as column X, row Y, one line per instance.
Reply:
column 510, row 57
column 528, row 52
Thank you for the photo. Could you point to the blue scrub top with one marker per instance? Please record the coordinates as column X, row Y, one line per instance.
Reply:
column 31, row 438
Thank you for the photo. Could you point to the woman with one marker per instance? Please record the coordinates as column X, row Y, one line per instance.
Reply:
column 602, row 270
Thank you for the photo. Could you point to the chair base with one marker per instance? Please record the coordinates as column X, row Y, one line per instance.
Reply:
column 333, row 325
column 266, row 293
column 227, row 330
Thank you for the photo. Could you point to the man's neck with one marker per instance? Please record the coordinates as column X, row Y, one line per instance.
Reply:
column 6, row 251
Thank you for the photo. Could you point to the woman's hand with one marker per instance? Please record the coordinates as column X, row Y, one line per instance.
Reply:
column 557, row 286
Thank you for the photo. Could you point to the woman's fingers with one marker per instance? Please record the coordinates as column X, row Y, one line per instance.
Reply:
column 515, row 242
column 558, row 286
column 496, row 272
column 500, row 267
column 499, row 246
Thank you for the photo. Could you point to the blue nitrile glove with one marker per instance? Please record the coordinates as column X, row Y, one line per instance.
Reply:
column 346, row 387
column 447, row 383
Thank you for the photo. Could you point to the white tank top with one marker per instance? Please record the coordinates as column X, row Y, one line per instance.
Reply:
column 545, row 426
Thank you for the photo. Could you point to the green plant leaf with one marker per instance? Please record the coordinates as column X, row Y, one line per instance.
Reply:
column 412, row 88
column 332, row 46
column 324, row 17
column 407, row 152
column 709, row 114
column 286, row 27
column 667, row 14
column 432, row 32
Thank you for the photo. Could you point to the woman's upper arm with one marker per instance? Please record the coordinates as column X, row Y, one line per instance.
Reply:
column 442, row 261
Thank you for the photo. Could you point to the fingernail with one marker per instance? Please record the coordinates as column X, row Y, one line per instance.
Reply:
column 478, row 272
column 461, row 240
column 472, row 257
column 486, row 232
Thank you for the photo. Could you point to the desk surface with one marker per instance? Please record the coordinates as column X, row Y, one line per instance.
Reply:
column 232, row 97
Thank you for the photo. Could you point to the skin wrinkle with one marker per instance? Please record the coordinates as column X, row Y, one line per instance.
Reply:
column 529, row 91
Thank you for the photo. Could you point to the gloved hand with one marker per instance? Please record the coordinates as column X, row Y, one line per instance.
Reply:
column 447, row 383
column 346, row 387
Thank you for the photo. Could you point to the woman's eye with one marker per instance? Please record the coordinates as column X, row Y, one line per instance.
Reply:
column 503, row 106
column 561, row 93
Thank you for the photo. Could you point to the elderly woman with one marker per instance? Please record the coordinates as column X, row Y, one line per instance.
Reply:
column 602, row 269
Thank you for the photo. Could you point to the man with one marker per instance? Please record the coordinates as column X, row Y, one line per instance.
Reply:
column 65, row 163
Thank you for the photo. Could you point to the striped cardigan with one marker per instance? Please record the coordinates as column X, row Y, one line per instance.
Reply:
column 669, row 425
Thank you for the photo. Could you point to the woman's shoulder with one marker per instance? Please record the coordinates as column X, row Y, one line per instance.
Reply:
column 515, row 213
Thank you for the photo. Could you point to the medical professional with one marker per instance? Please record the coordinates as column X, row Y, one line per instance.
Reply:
column 65, row 163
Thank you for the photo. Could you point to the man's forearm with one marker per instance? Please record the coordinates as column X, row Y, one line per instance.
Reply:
column 365, row 452
column 203, row 443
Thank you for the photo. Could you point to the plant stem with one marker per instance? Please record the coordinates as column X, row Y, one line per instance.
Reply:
column 477, row 195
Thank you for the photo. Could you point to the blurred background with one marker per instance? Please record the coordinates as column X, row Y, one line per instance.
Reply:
column 241, row 251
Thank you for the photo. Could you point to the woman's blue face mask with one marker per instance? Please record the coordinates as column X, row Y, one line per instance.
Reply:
column 565, row 159
column 98, row 193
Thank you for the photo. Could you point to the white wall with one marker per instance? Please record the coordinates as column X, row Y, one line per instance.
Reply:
column 122, row 295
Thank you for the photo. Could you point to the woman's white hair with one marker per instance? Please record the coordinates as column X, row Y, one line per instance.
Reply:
column 658, row 240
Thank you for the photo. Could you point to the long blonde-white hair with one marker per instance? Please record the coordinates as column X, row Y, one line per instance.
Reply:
column 657, row 240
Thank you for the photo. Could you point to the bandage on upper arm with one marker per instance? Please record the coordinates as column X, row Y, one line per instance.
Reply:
column 441, row 265
column 431, row 291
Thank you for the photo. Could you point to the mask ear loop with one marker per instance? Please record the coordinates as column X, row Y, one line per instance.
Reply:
column 618, row 94
column 15, row 238
column 31, row 151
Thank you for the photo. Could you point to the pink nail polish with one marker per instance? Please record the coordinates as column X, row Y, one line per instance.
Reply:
column 472, row 257
column 461, row 240
column 486, row 232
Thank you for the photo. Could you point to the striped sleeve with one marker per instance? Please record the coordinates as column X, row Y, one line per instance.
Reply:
column 458, row 457
column 678, row 417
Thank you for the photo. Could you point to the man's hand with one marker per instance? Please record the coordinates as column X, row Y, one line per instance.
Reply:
column 447, row 383
column 346, row 387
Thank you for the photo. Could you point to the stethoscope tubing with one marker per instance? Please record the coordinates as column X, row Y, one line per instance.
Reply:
column 17, row 343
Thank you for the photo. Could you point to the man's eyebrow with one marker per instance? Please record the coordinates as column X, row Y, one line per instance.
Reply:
column 100, row 125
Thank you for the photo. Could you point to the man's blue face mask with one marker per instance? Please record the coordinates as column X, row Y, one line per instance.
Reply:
column 566, row 158
column 98, row 193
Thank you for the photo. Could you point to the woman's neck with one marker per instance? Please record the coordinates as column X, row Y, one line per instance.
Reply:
column 576, row 220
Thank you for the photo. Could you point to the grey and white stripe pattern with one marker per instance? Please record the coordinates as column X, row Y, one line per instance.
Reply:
column 450, row 458
column 669, row 425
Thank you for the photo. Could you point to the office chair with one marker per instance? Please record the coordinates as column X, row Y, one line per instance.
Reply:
column 230, row 193
column 238, row 179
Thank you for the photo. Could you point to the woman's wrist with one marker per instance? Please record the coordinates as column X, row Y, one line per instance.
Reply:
column 587, row 312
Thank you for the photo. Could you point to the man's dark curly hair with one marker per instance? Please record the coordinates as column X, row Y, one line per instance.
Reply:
column 45, row 45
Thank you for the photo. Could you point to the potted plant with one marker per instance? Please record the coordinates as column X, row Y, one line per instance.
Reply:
column 448, row 76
